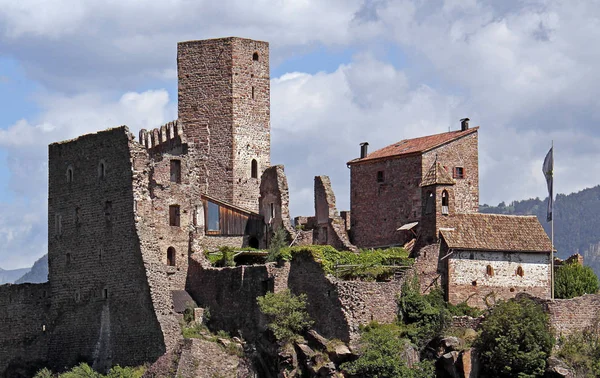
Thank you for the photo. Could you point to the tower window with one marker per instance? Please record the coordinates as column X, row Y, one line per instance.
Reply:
column 459, row 172
column 68, row 258
column 58, row 225
column 70, row 174
column 380, row 176
column 176, row 171
column 255, row 56
column 108, row 211
column 174, row 215
column 445, row 201
column 171, row 256
column 520, row 271
column 489, row 271
column 102, row 170
column 254, row 169
column 429, row 203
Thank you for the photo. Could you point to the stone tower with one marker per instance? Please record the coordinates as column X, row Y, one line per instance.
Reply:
column 224, row 105
column 438, row 199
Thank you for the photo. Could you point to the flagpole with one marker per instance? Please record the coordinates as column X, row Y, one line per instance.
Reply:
column 552, row 223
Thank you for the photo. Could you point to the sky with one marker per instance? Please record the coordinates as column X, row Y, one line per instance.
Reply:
column 342, row 72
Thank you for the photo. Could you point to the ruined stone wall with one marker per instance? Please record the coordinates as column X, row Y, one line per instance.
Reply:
column 24, row 325
column 330, row 228
column 572, row 315
column 462, row 152
column 470, row 282
column 225, row 127
column 274, row 202
column 101, row 309
column 379, row 208
column 428, row 268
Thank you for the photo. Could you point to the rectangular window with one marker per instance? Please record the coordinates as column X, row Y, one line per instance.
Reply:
column 213, row 217
column 108, row 211
column 174, row 215
column 58, row 225
column 459, row 172
column 176, row 171
column 380, row 176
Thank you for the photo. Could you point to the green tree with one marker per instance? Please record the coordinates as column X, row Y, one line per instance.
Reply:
column 573, row 280
column 277, row 243
column 381, row 355
column 515, row 340
column 286, row 313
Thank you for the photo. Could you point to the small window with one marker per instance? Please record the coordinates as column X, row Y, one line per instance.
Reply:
column 445, row 201
column 255, row 56
column 102, row 170
column 380, row 176
column 171, row 256
column 77, row 217
column 68, row 258
column 70, row 174
column 253, row 93
column 174, row 215
column 105, row 294
column 489, row 271
column 520, row 272
column 254, row 168
column 272, row 210
column 213, row 217
column 108, row 211
column 459, row 172
column 58, row 225
column 429, row 203
column 176, row 171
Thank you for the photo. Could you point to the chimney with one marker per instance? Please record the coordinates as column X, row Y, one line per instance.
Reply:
column 364, row 146
column 464, row 124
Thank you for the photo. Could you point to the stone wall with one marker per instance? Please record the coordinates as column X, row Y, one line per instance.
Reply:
column 274, row 202
column 24, row 326
column 576, row 314
column 101, row 309
column 428, row 269
column 470, row 281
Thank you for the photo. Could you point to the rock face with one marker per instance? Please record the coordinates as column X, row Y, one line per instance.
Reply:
column 558, row 369
column 38, row 272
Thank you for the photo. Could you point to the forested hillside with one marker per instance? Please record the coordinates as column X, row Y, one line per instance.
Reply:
column 576, row 222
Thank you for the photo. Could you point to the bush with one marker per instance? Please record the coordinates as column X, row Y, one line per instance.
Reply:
column 84, row 370
column 277, row 243
column 381, row 355
column 515, row 339
column 463, row 309
column 423, row 316
column 573, row 280
column 227, row 255
column 581, row 351
column 286, row 313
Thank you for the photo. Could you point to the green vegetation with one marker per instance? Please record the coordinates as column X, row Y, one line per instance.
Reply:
column 382, row 348
column 515, row 340
column 369, row 265
column 422, row 317
column 83, row 370
column 463, row 309
column 286, row 313
column 573, row 280
column 582, row 352
column 277, row 243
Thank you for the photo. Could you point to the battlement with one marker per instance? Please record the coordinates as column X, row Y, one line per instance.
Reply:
column 159, row 136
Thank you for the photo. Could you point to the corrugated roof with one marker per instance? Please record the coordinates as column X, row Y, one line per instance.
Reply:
column 437, row 175
column 416, row 145
column 494, row 232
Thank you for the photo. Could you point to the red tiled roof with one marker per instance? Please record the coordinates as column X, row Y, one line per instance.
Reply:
column 494, row 232
column 416, row 145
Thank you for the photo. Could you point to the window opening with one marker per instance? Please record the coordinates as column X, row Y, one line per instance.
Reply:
column 520, row 271
column 58, row 225
column 70, row 175
column 489, row 271
column 174, row 215
column 272, row 210
column 253, row 93
column 105, row 294
column 429, row 203
column 101, row 170
column 445, row 208
column 176, row 171
column 253, row 242
column 459, row 172
column 255, row 56
column 68, row 258
column 77, row 217
column 380, row 176
column 213, row 217
column 171, row 256
column 254, row 168
column 108, row 211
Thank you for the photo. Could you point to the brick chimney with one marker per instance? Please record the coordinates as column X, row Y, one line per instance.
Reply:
column 364, row 146
column 464, row 124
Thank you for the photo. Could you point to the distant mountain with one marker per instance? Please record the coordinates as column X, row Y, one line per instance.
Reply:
column 9, row 276
column 38, row 272
column 576, row 222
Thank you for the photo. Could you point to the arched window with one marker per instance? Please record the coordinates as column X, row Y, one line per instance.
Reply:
column 171, row 256
column 254, row 168
column 520, row 272
column 101, row 170
column 429, row 202
column 445, row 201
column 255, row 56
column 489, row 271
column 70, row 174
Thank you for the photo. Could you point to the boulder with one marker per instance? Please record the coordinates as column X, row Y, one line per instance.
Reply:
column 316, row 339
column 340, row 353
column 556, row 368
column 451, row 343
column 410, row 355
column 305, row 351
column 327, row 370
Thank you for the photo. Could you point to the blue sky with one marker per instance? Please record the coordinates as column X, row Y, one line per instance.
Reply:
column 342, row 72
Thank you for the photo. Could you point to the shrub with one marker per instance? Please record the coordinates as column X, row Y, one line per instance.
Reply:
column 277, row 243
column 44, row 373
column 381, row 355
column 424, row 316
column 82, row 370
column 286, row 313
column 581, row 351
column 463, row 309
column 573, row 280
column 515, row 339
column 227, row 255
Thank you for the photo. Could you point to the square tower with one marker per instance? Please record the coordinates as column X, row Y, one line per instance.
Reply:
column 224, row 105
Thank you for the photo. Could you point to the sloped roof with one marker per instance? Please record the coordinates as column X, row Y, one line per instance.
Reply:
column 494, row 232
column 181, row 298
column 416, row 145
column 437, row 175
